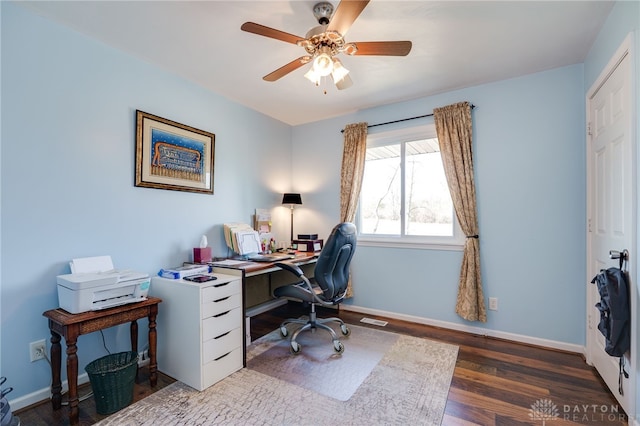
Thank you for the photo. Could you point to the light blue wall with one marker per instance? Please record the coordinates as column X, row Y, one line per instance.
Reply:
column 530, row 174
column 623, row 20
column 67, row 172
column 68, row 145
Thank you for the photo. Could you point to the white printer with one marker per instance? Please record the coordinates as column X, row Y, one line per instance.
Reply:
column 94, row 284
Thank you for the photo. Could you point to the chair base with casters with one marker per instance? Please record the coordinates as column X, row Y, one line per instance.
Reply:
column 311, row 324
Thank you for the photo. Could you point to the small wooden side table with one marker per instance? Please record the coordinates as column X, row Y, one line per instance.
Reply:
column 70, row 326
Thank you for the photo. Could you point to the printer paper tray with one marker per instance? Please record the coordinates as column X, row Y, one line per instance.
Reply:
column 114, row 297
column 110, row 303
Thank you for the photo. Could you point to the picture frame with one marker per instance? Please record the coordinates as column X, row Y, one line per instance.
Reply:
column 173, row 156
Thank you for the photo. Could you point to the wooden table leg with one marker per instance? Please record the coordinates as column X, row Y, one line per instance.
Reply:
column 63, row 324
column 134, row 341
column 72, row 378
column 153, row 365
column 56, row 364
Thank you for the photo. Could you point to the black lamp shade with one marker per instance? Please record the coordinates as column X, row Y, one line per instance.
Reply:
column 290, row 198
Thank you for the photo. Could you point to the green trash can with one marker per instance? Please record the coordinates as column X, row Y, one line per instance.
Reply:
column 112, row 379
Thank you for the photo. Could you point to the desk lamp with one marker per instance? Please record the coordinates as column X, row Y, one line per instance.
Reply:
column 291, row 199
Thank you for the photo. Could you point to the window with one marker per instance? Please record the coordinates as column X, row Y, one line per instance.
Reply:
column 405, row 199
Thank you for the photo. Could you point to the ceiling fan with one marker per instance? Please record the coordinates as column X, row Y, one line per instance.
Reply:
column 323, row 42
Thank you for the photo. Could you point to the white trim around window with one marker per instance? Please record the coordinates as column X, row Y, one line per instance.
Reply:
column 452, row 243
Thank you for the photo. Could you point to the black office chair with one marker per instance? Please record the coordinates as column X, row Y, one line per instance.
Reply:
column 328, row 288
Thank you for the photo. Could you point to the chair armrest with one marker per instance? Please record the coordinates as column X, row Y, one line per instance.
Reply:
column 294, row 269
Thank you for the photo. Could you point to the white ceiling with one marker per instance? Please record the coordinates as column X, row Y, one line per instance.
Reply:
column 456, row 44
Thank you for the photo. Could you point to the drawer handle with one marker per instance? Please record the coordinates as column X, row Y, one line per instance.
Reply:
column 219, row 315
column 220, row 300
column 222, row 284
column 222, row 335
column 221, row 356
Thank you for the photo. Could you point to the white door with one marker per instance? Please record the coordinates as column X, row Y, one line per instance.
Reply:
column 611, row 209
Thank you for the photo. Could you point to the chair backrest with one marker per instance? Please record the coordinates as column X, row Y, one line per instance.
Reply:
column 332, row 268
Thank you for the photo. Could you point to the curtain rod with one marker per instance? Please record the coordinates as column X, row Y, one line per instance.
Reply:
column 401, row 120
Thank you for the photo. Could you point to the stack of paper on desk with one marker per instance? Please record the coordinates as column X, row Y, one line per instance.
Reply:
column 263, row 221
column 241, row 238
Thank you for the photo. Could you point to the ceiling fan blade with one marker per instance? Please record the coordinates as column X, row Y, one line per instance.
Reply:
column 252, row 27
column 383, row 48
column 286, row 69
column 345, row 15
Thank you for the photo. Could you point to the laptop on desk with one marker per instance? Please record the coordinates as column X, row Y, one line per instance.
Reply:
column 270, row 257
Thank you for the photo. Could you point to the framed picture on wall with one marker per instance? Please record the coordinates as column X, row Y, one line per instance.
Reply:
column 173, row 156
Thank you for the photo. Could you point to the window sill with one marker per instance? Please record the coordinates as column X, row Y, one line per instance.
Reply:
column 404, row 244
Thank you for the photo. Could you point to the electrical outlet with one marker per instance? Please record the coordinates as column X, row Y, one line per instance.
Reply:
column 37, row 350
column 143, row 358
column 493, row 303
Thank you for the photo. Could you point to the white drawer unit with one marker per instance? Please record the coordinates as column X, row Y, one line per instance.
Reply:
column 200, row 328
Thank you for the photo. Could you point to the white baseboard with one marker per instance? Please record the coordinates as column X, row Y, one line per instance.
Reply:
column 42, row 394
column 45, row 393
column 552, row 344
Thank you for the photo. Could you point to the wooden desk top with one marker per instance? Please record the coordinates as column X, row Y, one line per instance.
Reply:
column 62, row 317
column 264, row 267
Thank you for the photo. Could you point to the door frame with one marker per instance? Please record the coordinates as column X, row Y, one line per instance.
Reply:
column 627, row 48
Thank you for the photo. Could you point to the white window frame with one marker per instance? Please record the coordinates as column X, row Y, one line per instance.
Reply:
column 455, row 242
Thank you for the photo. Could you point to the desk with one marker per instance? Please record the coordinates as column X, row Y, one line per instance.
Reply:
column 70, row 326
column 257, row 301
column 257, row 268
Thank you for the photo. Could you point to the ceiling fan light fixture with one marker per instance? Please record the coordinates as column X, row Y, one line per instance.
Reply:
column 339, row 72
column 345, row 83
column 312, row 76
column 323, row 62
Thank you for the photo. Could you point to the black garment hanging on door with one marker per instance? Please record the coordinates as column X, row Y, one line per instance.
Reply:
column 615, row 313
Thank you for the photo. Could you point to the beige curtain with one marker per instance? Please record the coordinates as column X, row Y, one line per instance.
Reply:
column 453, row 126
column 353, row 156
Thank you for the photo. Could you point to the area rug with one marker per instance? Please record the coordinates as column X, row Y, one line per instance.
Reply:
column 409, row 385
column 318, row 367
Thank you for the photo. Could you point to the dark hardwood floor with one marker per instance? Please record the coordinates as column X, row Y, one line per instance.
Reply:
column 495, row 382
